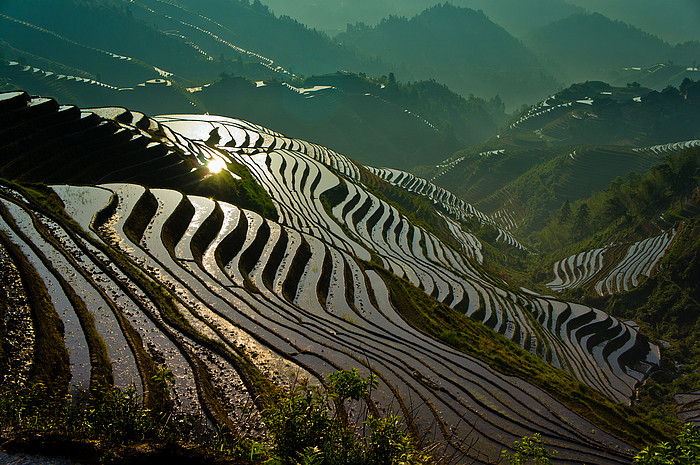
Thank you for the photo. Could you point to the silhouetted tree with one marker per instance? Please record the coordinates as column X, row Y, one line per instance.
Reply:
column 565, row 212
column 581, row 221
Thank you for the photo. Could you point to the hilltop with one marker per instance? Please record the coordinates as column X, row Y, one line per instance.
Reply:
column 516, row 18
column 601, row 45
column 569, row 146
column 485, row 63
column 661, row 18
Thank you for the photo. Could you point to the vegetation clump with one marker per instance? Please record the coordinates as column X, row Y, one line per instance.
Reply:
column 115, row 416
column 530, row 450
column 307, row 425
column 683, row 450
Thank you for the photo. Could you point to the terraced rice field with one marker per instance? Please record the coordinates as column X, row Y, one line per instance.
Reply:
column 232, row 293
column 688, row 408
column 610, row 276
column 544, row 110
column 453, row 205
column 673, row 147
column 296, row 297
column 640, row 260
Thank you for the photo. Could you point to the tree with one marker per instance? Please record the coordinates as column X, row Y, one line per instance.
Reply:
column 581, row 221
column 565, row 212
column 615, row 209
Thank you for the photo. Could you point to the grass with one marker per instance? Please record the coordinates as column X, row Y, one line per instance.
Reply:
column 106, row 424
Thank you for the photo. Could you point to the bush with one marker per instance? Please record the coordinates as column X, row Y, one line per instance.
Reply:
column 684, row 450
column 108, row 413
column 306, row 425
column 307, row 428
column 530, row 450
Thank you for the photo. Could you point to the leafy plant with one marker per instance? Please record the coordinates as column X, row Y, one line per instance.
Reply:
column 350, row 385
column 530, row 450
column 684, row 450
column 307, row 428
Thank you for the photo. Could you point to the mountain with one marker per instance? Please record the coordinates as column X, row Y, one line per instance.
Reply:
column 236, row 24
column 347, row 271
column 673, row 20
column 566, row 148
column 517, row 18
column 583, row 46
column 182, row 39
column 488, row 61
column 179, row 72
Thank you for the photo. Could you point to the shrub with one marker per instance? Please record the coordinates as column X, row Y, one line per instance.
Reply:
column 307, row 429
column 305, row 424
column 108, row 413
column 530, row 450
column 684, row 450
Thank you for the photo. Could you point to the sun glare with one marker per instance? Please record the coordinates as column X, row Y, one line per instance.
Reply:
column 215, row 165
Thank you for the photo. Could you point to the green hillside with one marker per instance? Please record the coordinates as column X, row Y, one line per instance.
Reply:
column 572, row 145
column 666, row 304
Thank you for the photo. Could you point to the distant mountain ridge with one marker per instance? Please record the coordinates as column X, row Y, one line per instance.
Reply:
column 588, row 46
column 460, row 47
column 673, row 20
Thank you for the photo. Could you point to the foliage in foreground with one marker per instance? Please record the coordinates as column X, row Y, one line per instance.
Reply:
column 109, row 414
column 683, row 450
column 530, row 450
column 307, row 425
